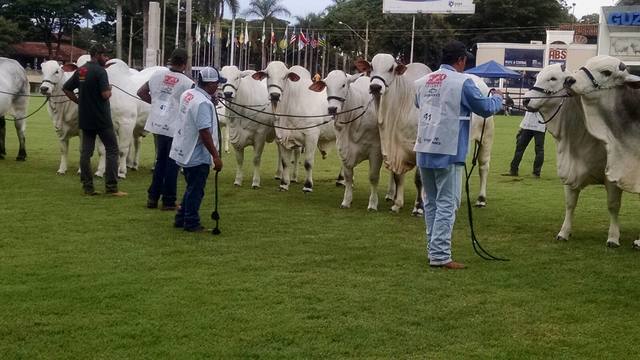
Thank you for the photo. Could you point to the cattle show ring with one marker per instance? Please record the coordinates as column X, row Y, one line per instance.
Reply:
column 353, row 179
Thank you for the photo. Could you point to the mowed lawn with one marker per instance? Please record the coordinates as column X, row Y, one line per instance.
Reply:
column 293, row 276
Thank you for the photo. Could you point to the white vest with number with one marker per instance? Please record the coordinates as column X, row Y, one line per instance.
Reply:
column 439, row 95
column 165, row 87
column 187, row 134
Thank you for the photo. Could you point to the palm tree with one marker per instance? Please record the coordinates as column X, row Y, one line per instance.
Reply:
column 267, row 10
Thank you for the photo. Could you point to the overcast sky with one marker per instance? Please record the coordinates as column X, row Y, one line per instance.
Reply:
column 304, row 7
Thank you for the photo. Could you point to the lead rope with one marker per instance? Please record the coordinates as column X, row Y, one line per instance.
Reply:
column 215, row 215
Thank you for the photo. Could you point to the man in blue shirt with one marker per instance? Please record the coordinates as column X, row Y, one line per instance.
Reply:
column 195, row 142
column 446, row 99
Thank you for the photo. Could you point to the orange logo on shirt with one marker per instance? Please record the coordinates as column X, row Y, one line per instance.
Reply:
column 170, row 80
column 82, row 73
column 436, row 79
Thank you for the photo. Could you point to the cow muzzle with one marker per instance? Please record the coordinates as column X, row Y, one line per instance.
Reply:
column 375, row 89
column 44, row 90
column 275, row 97
column 228, row 95
column 333, row 110
column 569, row 81
column 526, row 102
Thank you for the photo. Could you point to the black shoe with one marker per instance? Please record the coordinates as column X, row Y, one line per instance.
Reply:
column 152, row 204
column 537, row 176
column 510, row 173
column 177, row 225
column 91, row 193
column 170, row 207
column 197, row 229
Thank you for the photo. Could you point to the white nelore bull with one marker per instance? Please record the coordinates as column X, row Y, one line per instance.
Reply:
column 14, row 87
column 610, row 96
column 63, row 112
column 243, row 90
column 128, row 113
column 393, row 88
column 290, row 96
column 357, row 135
column 581, row 158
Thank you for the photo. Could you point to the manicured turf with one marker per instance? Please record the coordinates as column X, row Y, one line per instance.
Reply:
column 293, row 276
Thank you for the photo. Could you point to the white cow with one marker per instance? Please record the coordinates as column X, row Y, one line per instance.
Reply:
column 610, row 96
column 63, row 112
column 14, row 85
column 357, row 135
column 393, row 88
column 581, row 158
column 128, row 113
column 223, row 117
column 290, row 95
column 242, row 89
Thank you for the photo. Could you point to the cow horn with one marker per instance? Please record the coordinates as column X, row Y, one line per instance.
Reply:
column 622, row 66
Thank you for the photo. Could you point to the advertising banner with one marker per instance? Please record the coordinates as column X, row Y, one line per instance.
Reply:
column 524, row 58
column 428, row 6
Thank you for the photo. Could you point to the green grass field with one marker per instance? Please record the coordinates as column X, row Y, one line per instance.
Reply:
column 294, row 277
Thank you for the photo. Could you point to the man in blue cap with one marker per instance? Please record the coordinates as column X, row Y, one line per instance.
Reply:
column 196, row 145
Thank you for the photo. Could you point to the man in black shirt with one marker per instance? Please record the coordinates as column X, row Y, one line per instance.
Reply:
column 94, row 114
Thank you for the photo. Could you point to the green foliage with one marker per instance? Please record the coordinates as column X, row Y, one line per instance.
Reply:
column 590, row 19
column 266, row 9
column 10, row 33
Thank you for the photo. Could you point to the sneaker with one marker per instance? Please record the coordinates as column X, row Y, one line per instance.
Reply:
column 152, row 204
column 117, row 193
column 452, row 265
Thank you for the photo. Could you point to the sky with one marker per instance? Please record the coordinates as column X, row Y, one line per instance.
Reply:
column 304, row 7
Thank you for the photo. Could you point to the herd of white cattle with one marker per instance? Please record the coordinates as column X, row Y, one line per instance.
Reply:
column 371, row 116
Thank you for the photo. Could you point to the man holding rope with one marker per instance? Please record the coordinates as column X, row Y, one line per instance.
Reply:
column 94, row 115
column 196, row 141
column 446, row 99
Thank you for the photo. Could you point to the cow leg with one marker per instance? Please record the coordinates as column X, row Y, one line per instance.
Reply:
column 133, row 158
column 125, row 137
column 64, row 153
column 3, row 133
column 391, row 190
column 348, row 187
column 483, row 171
column 309, row 157
column 278, row 175
column 286, row 161
column 296, row 160
column 398, row 201
column 258, row 148
column 21, row 126
column 340, row 180
column 240, row 163
column 375, row 163
column 102, row 157
column 614, row 200
column 418, row 207
column 225, row 136
column 570, row 201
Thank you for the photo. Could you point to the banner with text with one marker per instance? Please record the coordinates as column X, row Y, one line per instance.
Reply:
column 428, row 6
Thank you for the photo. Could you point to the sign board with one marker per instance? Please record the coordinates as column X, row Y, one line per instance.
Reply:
column 625, row 48
column 530, row 58
column 557, row 56
column 622, row 18
column 428, row 6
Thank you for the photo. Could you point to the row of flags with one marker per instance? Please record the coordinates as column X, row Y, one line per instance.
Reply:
column 300, row 39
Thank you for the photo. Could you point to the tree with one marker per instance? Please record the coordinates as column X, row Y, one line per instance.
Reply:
column 628, row 2
column 216, row 7
column 266, row 10
column 590, row 19
column 10, row 33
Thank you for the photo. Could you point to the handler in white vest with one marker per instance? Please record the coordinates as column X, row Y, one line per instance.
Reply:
column 531, row 127
column 163, row 92
column 446, row 99
column 195, row 143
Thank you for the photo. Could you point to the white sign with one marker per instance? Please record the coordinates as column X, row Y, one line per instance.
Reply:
column 428, row 6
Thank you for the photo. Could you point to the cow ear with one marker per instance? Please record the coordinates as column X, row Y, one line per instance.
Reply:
column 363, row 66
column 318, row 86
column 260, row 75
column 246, row 73
column 400, row 69
column 293, row 77
column 632, row 81
column 69, row 67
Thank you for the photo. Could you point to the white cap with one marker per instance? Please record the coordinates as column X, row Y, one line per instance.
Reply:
column 210, row 74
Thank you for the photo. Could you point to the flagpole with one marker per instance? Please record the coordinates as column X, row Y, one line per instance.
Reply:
column 413, row 35
column 233, row 36
column 178, row 24
column 299, row 47
column 324, row 55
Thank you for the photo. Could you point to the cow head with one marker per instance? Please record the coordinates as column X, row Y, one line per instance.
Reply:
column 337, row 85
column 599, row 73
column 383, row 70
column 53, row 76
column 233, row 76
column 550, row 82
column 277, row 75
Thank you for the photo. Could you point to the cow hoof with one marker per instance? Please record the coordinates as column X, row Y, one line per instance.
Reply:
column 388, row 198
column 295, row 181
column 417, row 212
column 255, row 187
column 237, row 184
column 562, row 238
column 372, row 209
column 98, row 175
column 395, row 209
column 132, row 168
column 612, row 244
column 480, row 204
column 636, row 244
column 61, row 172
column 277, row 177
column 21, row 158
column 122, row 177
column 340, row 183
column 283, row 188
column 307, row 189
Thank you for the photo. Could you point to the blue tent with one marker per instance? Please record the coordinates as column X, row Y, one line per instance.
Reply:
column 492, row 69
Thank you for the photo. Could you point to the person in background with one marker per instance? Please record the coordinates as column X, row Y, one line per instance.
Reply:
column 94, row 115
column 446, row 99
column 195, row 143
column 531, row 127
column 508, row 104
column 163, row 92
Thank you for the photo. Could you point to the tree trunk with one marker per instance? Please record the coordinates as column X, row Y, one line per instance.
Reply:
column 145, row 32
column 188, row 37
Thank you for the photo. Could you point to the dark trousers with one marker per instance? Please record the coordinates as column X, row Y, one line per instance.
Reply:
column 165, row 173
column 3, row 132
column 523, row 138
column 196, row 178
column 108, row 138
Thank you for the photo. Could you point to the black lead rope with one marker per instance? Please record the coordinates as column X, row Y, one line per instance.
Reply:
column 484, row 254
column 215, row 215
column 33, row 113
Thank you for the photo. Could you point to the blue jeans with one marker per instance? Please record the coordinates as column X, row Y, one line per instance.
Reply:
column 165, row 173
column 187, row 216
column 443, row 189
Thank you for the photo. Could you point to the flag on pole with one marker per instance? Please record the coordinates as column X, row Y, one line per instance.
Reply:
column 283, row 44
column 246, row 34
column 294, row 37
column 313, row 41
column 273, row 36
column 322, row 41
column 264, row 35
column 228, row 38
column 209, row 33
column 198, row 33
column 302, row 41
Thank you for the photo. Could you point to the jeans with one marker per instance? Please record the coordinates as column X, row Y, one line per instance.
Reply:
column 522, row 141
column 196, row 178
column 108, row 138
column 165, row 173
column 442, row 190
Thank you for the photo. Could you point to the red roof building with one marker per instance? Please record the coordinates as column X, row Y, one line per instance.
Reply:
column 37, row 52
